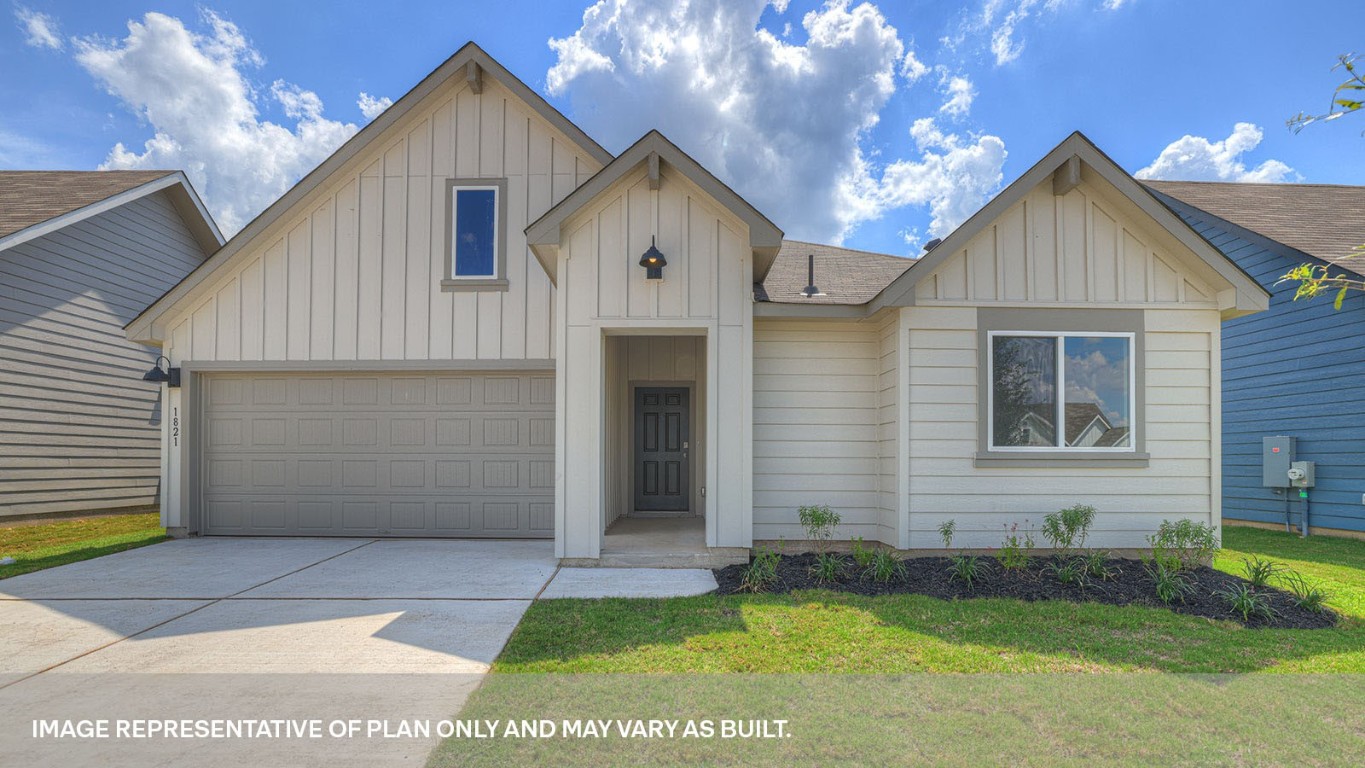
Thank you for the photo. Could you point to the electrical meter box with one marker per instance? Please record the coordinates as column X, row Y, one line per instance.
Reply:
column 1301, row 474
column 1277, row 453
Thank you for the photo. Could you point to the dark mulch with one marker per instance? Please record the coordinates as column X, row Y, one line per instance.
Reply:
column 1130, row 585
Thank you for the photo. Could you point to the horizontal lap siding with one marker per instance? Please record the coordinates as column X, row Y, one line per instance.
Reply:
column 817, row 413
column 1292, row 370
column 945, row 484
column 79, row 429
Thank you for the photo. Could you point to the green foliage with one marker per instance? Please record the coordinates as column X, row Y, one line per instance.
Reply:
column 1096, row 566
column 946, row 531
column 1169, row 580
column 1246, row 601
column 1067, row 529
column 1346, row 98
column 884, row 567
column 1259, row 571
column 965, row 568
column 1317, row 280
column 862, row 555
column 1307, row 594
column 1182, row 545
column 828, row 567
column 819, row 521
column 1015, row 551
column 761, row 572
column 1068, row 570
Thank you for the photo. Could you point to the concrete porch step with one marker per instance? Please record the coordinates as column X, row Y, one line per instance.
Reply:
column 670, row 559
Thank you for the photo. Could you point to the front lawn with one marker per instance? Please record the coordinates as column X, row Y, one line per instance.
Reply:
column 47, row 545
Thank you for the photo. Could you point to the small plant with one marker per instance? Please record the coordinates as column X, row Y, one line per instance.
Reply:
column 828, row 567
column 946, row 529
column 1096, row 565
column 884, row 567
column 965, row 568
column 819, row 522
column 1067, row 529
column 862, row 555
column 1170, row 582
column 1260, row 572
column 1246, row 601
column 1307, row 594
column 761, row 572
column 1183, row 545
column 1015, row 551
column 1069, row 570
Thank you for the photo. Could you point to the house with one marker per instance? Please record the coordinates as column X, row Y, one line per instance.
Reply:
column 1296, row 369
column 81, row 253
column 474, row 321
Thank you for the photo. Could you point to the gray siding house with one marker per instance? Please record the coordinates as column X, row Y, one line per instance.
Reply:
column 81, row 253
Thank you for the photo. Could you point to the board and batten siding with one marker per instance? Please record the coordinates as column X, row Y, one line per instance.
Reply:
column 1277, row 365
column 355, row 272
column 78, row 426
column 819, row 416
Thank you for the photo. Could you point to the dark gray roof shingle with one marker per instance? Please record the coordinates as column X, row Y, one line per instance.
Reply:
column 32, row 197
column 844, row 275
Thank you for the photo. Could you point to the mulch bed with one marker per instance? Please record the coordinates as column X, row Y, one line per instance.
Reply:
column 1130, row 585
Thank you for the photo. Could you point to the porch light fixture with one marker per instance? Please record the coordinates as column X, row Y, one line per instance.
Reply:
column 810, row 290
column 168, row 375
column 654, row 262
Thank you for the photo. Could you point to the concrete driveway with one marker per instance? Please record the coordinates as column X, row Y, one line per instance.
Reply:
column 223, row 628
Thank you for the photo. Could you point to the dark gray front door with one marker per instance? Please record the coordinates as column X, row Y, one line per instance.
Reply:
column 661, row 443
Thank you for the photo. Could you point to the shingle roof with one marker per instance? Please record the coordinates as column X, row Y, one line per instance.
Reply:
column 844, row 275
column 1322, row 220
column 32, row 197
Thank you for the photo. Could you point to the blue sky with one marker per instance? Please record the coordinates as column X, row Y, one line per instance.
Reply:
column 876, row 124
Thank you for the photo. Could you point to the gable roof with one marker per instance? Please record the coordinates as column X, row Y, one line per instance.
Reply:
column 1325, row 221
column 843, row 275
column 470, row 62
column 34, row 203
column 1247, row 295
column 764, row 236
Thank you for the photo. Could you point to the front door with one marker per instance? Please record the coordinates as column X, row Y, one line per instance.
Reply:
column 661, row 447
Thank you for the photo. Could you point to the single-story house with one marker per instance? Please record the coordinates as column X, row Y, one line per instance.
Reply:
column 474, row 321
column 1296, row 369
column 81, row 254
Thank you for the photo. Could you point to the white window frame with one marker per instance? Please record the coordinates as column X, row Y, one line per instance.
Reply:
column 1060, row 364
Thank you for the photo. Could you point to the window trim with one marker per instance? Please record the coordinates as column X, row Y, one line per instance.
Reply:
column 498, row 281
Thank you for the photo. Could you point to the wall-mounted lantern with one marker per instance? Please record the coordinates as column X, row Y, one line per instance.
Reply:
column 168, row 375
column 654, row 262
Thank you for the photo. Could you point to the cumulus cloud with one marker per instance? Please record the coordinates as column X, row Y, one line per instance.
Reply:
column 961, row 93
column 786, row 124
column 40, row 29
column 191, row 89
column 954, row 175
column 1195, row 158
column 372, row 106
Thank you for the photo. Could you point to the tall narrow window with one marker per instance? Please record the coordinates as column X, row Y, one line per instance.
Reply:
column 1052, row 391
column 475, row 241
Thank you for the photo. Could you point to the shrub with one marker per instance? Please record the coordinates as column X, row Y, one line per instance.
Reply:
column 828, row 567
column 1183, row 545
column 1069, row 570
column 819, row 522
column 1097, row 566
column 1067, row 529
column 1259, row 572
column 965, row 568
column 761, row 572
column 1170, row 582
column 862, row 555
column 1015, row 551
column 884, row 567
column 945, row 531
column 1246, row 601
column 1307, row 594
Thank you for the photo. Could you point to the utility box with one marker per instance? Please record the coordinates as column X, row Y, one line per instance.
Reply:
column 1301, row 474
column 1277, row 453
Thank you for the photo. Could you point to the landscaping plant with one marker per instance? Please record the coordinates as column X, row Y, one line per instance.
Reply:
column 1246, row 601
column 1097, row 565
column 965, row 568
column 1169, row 581
column 1067, row 529
column 1307, row 594
column 1183, row 545
column 761, row 573
column 884, row 567
column 828, row 567
column 1260, row 571
column 1069, row 570
column 862, row 555
column 819, row 521
column 1015, row 551
column 946, row 529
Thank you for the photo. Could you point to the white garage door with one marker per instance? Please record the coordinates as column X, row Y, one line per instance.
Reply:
column 450, row 455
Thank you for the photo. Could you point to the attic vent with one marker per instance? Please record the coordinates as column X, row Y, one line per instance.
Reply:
column 810, row 290
column 932, row 244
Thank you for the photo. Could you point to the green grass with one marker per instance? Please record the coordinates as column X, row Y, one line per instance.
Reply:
column 47, row 545
column 822, row 631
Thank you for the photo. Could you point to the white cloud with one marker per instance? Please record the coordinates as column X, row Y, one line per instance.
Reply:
column 191, row 89
column 1003, row 21
column 954, row 175
column 785, row 124
column 40, row 29
column 961, row 94
column 372, row 106
column 1195, row 158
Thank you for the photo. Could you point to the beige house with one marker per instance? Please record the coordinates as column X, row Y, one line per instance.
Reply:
column 473, row 321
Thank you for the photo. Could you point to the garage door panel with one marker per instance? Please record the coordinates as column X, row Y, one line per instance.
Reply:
column 402, row 455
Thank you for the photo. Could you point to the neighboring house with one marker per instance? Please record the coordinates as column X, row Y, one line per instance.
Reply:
column 1297, row 369
column 453, row 328
column 81, row 253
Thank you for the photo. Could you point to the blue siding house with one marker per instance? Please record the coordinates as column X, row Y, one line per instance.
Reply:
column 1298, row 369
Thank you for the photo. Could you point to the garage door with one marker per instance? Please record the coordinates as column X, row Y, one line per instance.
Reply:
column 452, row 455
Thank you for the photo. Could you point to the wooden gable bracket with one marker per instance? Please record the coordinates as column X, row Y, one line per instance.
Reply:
column 474, row 76
column 1067, row 176
column 654, row 171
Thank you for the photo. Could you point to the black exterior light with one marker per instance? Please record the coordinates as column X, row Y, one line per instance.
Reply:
column 168, row 375
column 654, row 262
column 810, row 290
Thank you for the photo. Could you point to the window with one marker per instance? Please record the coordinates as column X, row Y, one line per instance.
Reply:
column 1061, row 391
column 475, row 251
